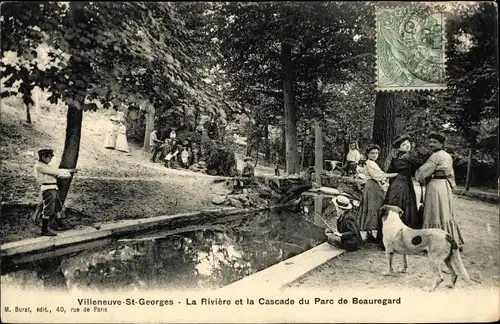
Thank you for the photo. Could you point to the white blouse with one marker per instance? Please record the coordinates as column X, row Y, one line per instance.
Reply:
column 372, row 171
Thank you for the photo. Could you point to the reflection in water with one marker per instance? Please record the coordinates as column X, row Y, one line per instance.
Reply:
column 195, row 260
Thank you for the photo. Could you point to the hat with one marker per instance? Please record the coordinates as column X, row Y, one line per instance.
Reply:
column 247, row 158
column 45, row 152
column 437, row 137
column 343, row 202
column 371, row 147
column 398, row 141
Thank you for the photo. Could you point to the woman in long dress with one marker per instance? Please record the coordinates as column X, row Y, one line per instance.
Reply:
column 373, row 193
column 401, row 191
column 121, row 140
column 438, row 176
column 110, row 141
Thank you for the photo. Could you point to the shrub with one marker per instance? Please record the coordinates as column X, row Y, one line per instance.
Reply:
column 220, row 158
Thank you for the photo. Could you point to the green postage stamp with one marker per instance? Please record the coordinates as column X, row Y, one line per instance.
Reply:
column 410, row 50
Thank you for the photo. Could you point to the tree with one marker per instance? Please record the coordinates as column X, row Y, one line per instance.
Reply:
column 282, row 49
column 472, row 72
column 119, row 53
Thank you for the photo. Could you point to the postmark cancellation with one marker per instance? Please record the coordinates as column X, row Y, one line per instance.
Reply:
column 410, row 49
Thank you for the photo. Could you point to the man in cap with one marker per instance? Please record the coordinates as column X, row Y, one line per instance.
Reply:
column 347, row 236
column 47, row 176
column 247, row 174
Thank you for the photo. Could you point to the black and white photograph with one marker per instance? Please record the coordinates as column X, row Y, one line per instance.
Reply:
column 250, row 162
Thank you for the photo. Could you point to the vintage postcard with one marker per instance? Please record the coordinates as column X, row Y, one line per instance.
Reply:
column 249, row 162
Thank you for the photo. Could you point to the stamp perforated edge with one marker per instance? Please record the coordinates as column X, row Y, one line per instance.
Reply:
column 429, row 87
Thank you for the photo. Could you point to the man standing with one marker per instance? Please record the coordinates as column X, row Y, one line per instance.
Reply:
column 47, row 176
column 155, row 144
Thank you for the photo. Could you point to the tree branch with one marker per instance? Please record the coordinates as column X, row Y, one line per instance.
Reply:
column 278, row 94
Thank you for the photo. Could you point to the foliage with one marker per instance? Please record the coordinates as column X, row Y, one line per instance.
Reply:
column 220, row 159
column 193, row 137
column 473, row 70
column 120, row 53
column 271, row 46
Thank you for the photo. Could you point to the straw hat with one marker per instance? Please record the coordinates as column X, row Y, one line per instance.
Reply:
column 342, row 202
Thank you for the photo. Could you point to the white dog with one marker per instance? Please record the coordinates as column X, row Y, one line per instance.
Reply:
column 438, row 244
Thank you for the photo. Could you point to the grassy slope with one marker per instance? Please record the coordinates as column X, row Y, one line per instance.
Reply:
column 116, row 197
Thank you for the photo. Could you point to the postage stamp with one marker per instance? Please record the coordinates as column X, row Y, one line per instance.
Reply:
column 410, row 49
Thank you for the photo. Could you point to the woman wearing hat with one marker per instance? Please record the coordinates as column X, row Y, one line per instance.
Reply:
column 373, row 193
column 347, row 236
column 439, row 177
column 401, row 192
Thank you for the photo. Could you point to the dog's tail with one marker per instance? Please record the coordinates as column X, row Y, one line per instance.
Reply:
column 455, row 259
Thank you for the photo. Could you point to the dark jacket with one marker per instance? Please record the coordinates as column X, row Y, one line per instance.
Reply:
column 248, row 171
column 347, row 225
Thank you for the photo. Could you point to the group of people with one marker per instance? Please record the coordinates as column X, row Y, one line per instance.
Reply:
column 436, row 175
column 116, row 137
column 172, row 151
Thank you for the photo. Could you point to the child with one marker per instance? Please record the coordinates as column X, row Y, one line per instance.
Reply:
column 47, row 176
column 184, row 157
column 353, row 157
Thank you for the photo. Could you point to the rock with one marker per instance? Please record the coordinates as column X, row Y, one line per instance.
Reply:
column 219, row 200
column 235, row 202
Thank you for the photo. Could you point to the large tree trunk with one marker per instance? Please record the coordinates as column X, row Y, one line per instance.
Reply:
column 266, row 143
column 257, row 153
column 346, row 140
column 150, row 125
column 469, row 169
column 290, row 113
column 383, row 125
column 303, row 152
column 318, row 151
column 71, row 151
column 282, row 153
column 28, row 114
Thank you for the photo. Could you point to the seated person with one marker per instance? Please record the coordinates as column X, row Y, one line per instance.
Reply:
column 347, row 236
column 248, row 170
column 247, row 174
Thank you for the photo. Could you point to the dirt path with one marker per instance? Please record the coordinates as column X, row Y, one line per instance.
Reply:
column 361, row 270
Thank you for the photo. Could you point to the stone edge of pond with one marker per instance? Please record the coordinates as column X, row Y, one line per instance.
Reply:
column 75, row 240
column 277, row 276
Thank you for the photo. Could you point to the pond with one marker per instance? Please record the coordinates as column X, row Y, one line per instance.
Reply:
column 204, row 259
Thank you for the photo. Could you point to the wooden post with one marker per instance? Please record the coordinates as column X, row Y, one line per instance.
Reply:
column 318, row 168
column 150, row 124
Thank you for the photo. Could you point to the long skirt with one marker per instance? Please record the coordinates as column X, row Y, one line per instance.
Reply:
column 110, row 141
column 438, row 209
column 121, row 143
column 401, row 193
column 371, row 202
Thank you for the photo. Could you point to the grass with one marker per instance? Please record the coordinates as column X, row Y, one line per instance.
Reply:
column 109, row 186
